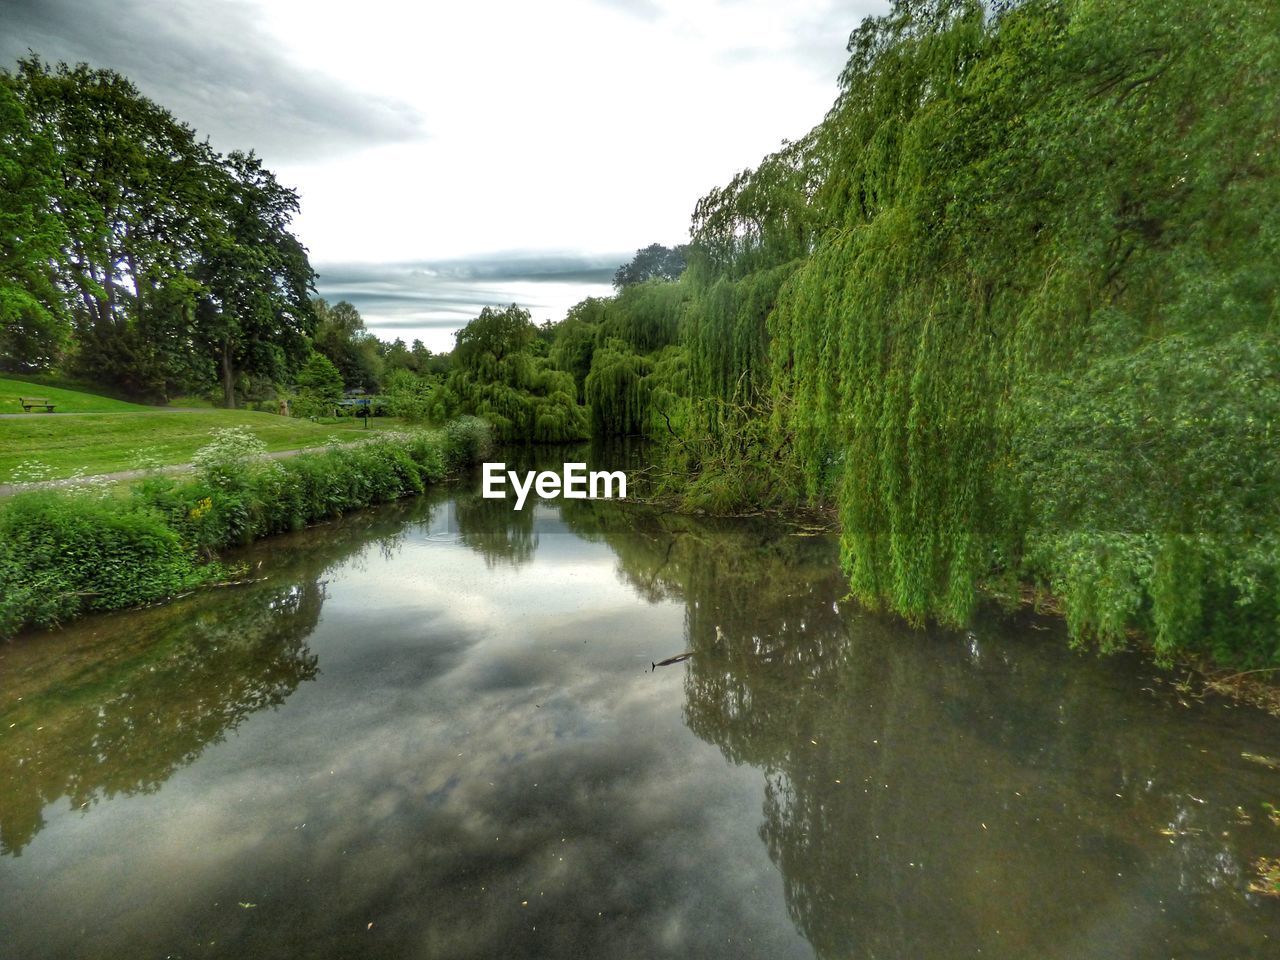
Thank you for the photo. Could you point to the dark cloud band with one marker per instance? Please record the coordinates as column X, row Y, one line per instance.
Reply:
column 214, row 68
column 441, row 296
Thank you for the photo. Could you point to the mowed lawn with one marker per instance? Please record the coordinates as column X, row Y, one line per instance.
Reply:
column 107, row 442
column 64, row 401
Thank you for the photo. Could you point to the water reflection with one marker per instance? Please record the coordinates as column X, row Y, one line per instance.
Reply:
column 470, row 751
column 492, row 529
column 114, row 706
column 956, row 794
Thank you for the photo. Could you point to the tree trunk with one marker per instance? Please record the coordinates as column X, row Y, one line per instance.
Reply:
column 228, row 376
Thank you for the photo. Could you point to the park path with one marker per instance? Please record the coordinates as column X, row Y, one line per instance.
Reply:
column 8, row 489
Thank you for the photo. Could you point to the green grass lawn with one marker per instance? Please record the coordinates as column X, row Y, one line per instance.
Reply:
column 64, row 400
column 108, row 442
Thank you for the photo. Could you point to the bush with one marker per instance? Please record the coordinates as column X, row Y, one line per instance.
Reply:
column 64, row 554
column 467, row 440
column 407, row 395
column 225, row 462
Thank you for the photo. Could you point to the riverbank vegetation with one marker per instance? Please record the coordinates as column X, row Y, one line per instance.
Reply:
column 66, row 553
column 1011, row 308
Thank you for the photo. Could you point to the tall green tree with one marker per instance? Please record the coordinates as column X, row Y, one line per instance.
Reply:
column 319, row 386
column 175, row 266
column 341, row 336
column 497, row 374
column 34, row 322
column 1013, row 306
column 132, row 191
column 256, row 315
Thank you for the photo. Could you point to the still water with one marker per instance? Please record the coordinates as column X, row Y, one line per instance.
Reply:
column 433, row 731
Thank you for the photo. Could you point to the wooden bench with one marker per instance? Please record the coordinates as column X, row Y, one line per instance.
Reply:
column 30, row 403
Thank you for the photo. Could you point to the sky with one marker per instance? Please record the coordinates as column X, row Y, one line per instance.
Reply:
column 454, row 155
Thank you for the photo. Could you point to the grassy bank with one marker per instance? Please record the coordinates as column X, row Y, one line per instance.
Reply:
column 68, row 553
column 64, row 398
column 108, row 442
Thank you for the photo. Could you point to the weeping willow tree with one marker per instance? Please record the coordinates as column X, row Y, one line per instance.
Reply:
column 645, row 315
column 622, row 352
column 574, row 340
column 618, row 390
column 497, row 375
column 1019, row 296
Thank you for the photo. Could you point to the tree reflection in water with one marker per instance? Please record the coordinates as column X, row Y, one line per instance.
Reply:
column 946, row 793
column 494, row 530
column 924, row 793
column 114, row 705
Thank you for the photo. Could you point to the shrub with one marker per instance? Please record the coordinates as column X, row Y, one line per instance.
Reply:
column 225, row 461
column 67, row 553
column 62, row 555
column 466, row 440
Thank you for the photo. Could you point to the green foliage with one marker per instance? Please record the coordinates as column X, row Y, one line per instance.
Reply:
column 225, row 461
column 725, row 458
column 467, row 440
column 492, row 337
column 175, row 265
column 574, row 339
column 319, row 386
column 1155, row 475
column 646, row 315
column 654, row 262
column 1013, row 306
column 617, row 391
column 341, row 336
column 497, row 375
column 727, row 337
column 254, row 309
column 407, row 395
column 34, row 324
column 64, row 554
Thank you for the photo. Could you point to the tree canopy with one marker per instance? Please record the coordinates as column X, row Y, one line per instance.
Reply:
column 654, row 262
column 497, row 374
column 134, row 254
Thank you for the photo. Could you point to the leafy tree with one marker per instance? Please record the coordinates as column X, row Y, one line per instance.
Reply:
column 575, row 338
column 341, row 336
column 131, row 191
column 319, row 386
column 424, row 361
column 396, row 356
column 492, row 337
column 34, row 324
column 256, row 315
column 407, row 394
column 497, row 375
column 617, row 390
column 654, row 262
column 1012, row 305
column 175, row 265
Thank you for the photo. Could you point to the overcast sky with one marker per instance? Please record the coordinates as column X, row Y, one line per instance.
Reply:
column 451, row 155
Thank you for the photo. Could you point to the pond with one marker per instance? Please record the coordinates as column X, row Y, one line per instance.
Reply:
column 434, row 730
